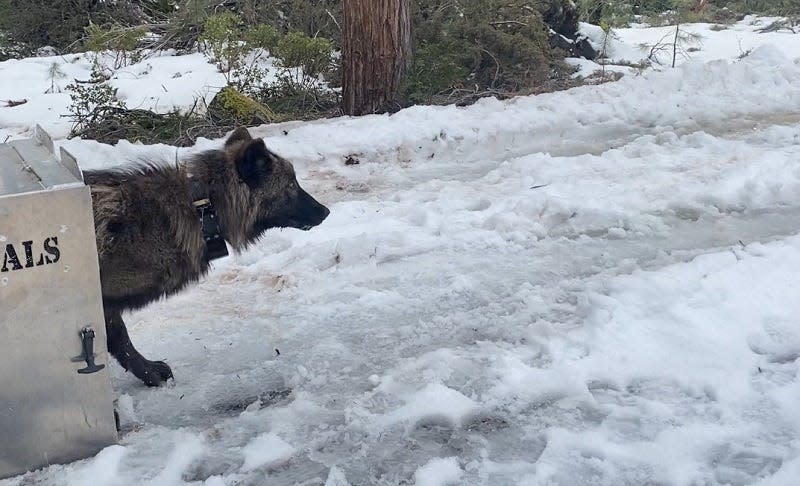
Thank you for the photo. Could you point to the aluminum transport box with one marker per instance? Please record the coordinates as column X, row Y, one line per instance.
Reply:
column 56, row 404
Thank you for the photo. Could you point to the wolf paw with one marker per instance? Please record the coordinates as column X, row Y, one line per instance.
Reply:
column 154, row 373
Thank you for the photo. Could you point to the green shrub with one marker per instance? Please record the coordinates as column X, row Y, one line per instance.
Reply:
column 177, row 128
column 89, row 103
column 299, row 101
column 315, row 18
column 11, row 49
column 486, row 46
column 435, row 68
column 114, row 38
column 61, row 23
column 159, row 9
column 54, row 73
column 313, row 55
column 613, row 12
column 122, row 41
column 97, row 114
column 262, row 37
column 184, row 25
column 223, row 37
column 296, row 92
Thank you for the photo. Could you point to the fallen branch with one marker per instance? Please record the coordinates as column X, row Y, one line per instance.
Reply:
column 507, row 22
column 13, row 103
column 783, row 24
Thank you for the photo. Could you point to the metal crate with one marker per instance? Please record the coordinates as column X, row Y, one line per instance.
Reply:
column 54, row 406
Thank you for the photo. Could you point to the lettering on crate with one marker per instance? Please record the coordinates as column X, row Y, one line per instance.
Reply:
column 29, row 254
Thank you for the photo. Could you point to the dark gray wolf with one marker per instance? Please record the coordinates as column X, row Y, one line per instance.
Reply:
column 152, row 224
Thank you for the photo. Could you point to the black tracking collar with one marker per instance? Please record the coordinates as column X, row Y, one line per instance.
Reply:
column 209, row 223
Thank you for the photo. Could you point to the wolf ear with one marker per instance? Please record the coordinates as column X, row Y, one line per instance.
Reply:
column 255, row 164
column 239, row 135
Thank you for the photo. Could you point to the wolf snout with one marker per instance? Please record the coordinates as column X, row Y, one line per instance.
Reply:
column 318, row 217
column 325, row 213
column 312, row 213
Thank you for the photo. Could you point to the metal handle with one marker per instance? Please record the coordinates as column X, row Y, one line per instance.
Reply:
column 87, row 346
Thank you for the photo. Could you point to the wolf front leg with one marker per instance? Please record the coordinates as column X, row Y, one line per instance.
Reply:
column 152, row 373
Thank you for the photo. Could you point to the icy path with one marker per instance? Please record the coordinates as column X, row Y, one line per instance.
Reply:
column 620, row 310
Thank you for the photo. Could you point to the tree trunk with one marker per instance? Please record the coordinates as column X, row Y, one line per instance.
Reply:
column 376, row 44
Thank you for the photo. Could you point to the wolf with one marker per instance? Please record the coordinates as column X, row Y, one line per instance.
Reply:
column 159, row 226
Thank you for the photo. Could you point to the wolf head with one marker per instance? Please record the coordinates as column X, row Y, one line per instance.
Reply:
column 264, row 192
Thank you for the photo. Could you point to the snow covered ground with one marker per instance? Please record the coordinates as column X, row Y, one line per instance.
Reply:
column 702, row 42
column 590, row 287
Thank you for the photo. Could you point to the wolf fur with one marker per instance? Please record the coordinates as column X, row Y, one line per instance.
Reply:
column 150, row 239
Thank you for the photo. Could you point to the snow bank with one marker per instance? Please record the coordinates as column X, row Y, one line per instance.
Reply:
column 708, row 42
column 686, row 99
column 584, row 119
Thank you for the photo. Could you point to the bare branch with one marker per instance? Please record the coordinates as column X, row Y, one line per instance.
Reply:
column 507, row 22
column 334, row 19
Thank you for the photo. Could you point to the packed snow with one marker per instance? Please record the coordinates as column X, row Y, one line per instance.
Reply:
column 589, row 287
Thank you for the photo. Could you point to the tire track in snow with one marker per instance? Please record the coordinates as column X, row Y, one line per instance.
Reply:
column 583, row 141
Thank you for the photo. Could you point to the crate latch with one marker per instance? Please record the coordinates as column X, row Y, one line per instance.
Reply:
column 87, row 346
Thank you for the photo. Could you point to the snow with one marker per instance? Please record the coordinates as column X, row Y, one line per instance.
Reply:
column 732, row 384
column 630, row 46
column 588, row 287
column 159, row 82
column 188, row 449
column 267, row 449
column 435, row 400
column 102, row 469
column 439, row 472
column 336, row 478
